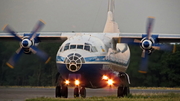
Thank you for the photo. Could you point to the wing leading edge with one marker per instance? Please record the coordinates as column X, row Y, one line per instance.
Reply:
column 43, row 36
column 123, row 37
column 161, row 38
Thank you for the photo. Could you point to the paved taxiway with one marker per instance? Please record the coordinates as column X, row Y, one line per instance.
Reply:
column 22, row 93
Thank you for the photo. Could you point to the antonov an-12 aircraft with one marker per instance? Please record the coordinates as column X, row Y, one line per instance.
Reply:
column 91, row 60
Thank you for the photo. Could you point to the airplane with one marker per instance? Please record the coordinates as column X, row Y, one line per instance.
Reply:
column 91, row 60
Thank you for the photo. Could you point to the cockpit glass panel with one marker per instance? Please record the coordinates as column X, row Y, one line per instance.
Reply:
column 87, row 48
column 79, row 46
column 72, row 46
column 66, row 47
column 93, row 49
column 87, row 44
column 61, row 49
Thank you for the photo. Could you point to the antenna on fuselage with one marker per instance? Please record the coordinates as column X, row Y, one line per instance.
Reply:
column 89, row 37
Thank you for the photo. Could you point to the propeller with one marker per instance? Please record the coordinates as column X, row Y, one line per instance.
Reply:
column 148, row 44
column 26, row 44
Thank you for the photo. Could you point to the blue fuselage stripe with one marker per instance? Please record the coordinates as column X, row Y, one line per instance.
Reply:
column 95, row 59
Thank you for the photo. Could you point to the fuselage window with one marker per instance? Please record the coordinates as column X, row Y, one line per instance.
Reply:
column 79, row 46
column 72, row 46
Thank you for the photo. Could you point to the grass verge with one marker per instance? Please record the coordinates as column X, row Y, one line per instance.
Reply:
column 156, row 88
column 130, row 97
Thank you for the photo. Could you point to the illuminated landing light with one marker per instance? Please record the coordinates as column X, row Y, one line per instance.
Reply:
column 105, row 77
column 77, row 82
column 110, row 82
column 67, row 82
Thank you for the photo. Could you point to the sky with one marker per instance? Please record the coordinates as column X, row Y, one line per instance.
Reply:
column 90, row 15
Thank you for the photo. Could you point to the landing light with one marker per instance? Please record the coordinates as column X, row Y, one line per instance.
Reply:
column 77, row 82
column 67, row 82
column 110, row 82
column 105, row 77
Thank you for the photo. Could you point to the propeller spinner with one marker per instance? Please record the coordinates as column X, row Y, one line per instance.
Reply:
column 26, row 44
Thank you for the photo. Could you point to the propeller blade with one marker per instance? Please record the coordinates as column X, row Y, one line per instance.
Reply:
column 156, row 47
column 14, row 58
column 41, row 54
column 8, row 29
column 144, row 63
column 37, row 28
column 137, row 41
column 149, row 27
column 143, row 53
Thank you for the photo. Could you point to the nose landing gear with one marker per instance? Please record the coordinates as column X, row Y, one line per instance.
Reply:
column 62, row 88
column 82, row 92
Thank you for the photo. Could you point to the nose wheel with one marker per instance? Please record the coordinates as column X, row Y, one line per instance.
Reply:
column 82, row 92
column 76, row 92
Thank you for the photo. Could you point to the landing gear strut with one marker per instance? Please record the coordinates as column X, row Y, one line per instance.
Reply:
column 123, row 88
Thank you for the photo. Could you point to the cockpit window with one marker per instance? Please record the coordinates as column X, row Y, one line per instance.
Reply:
column 72, row 46
column 61, row 49
column 87, row 48
column 66, row 47
column 79, row 46
column 93, row 49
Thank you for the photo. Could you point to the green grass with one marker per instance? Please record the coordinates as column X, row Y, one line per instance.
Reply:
column 130, row 97
column 156, row 88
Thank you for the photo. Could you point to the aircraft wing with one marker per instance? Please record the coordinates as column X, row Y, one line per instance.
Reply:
column 160, row 38
column 43, row 36
column 122, row 37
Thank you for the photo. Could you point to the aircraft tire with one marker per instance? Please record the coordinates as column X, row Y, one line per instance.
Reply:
column 76, row 92
column 58, row 91
column 120, row 91
column 126, row 91
column 64, row 91
column 83, row 92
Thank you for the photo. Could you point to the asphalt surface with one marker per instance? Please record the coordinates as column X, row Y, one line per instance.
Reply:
column 23, row 93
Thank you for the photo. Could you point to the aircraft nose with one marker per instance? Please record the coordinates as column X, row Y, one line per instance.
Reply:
column 74, row 62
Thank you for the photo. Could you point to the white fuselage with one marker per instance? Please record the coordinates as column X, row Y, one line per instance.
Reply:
column 94, row 48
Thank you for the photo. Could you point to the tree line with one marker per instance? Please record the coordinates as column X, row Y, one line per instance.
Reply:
column 163, row 68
